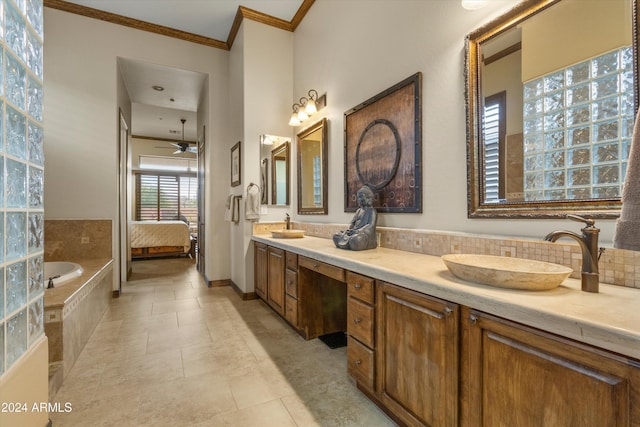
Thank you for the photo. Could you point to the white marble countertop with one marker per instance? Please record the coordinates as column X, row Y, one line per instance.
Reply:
column 609, row 319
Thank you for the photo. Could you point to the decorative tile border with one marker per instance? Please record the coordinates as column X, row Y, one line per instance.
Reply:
column 617, row 266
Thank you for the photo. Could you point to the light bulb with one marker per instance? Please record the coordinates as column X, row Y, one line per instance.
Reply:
column 474, row 4
column 310, row 108
column 294, row 120
column 302, row 116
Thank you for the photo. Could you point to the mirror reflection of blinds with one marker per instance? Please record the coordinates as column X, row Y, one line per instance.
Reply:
column 493, row 128
column 166, row 197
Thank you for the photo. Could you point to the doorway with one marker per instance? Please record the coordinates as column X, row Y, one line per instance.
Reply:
column 164, row 172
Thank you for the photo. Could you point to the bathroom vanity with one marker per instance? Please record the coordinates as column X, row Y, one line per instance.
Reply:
column 431, row 349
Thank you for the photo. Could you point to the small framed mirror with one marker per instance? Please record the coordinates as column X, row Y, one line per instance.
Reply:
column 275, row 169
column 552, row 91
column 312, row 169
column 280, row 174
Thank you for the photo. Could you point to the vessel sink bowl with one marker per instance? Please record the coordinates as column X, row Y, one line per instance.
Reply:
column 506, row 272
column 287, row 234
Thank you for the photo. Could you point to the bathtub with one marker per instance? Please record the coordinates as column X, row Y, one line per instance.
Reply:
column 60, row 272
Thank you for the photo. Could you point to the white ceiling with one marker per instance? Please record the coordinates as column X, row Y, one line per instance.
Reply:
column 153, row 113
column 209, row 18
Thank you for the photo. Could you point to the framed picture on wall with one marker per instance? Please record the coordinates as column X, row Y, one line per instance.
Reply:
column 235, row 165
column 383, row 149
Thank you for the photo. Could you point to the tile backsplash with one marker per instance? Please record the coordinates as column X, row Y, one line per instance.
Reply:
column 77, row 239
column 617, row 266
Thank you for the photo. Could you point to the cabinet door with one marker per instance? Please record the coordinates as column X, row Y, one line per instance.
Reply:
column 275, row 294
column 260, row 270
column 417, row 356
column 518, row 376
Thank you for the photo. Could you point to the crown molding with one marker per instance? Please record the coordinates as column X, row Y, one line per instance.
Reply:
column 242, row 13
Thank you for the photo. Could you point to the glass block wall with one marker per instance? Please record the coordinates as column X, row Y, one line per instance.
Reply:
column 22, row 180
column 578, row 123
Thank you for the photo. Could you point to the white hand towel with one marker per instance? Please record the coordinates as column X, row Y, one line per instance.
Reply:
column 252, row 203
column 627, row 233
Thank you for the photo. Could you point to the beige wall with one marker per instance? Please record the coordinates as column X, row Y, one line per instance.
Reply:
column 262, row 74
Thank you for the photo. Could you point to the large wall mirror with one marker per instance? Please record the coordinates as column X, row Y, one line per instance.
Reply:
column 552, row 90
column 312, row 169
column 275, row 160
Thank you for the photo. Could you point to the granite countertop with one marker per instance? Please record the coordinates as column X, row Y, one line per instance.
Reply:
column 57, row 297
column 609, row 319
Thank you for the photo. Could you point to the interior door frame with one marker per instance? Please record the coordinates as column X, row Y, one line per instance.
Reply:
column 200, row 253
column 124, row 205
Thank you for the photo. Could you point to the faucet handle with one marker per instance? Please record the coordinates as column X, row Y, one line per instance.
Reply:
column 590, row 222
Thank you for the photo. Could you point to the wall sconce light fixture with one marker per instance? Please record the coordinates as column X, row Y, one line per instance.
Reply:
column 474, row 4
column 306, row 107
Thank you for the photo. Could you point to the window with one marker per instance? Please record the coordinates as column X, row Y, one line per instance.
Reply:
column 494, row 130
column 577, row 129
column 166, row 197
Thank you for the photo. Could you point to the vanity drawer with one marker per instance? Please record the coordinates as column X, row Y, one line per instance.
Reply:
column 291, row 283
column 360, row 362
column 291, row 310
column 360, row 287
column 322, row 268
column 360, row 321
column 292, row 261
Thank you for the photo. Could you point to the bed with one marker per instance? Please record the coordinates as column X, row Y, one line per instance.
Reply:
column 159, row 238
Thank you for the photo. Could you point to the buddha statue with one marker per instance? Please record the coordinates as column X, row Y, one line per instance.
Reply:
column 361, row 233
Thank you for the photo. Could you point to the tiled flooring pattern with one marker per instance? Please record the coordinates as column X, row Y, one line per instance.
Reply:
column 172, row 352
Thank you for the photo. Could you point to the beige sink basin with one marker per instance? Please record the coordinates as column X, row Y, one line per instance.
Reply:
column 287, row 234
column 506, row 272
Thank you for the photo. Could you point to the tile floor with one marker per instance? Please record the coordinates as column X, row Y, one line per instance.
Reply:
column 172, row 352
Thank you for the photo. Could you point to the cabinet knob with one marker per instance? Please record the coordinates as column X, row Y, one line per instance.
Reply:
column 358, row 362
column 356, row 321
column 357, row 286
column 447, row 311
column 473, row 319
column 316, row 266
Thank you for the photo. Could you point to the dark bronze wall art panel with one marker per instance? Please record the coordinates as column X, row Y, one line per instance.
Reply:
column 383, row 148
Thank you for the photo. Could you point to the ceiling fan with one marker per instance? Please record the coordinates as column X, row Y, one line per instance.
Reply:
column 184, row 147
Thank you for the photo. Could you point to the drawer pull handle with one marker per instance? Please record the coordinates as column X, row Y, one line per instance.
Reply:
column 357, row 286
column 358, row 362
column 447, row 311
column 316, row 266
column 356, row 321
column 473, row 319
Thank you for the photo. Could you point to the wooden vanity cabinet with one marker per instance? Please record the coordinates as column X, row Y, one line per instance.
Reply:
column 261, row 270
column 291, row 289
column 275, row 281
column 417, row 369
column 514, row 375
column 361, row 329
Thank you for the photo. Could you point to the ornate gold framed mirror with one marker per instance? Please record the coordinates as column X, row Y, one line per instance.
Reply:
column 552, row 91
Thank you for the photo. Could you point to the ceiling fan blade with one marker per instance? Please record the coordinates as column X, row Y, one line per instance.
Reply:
column 193, row 150
column 175, row 145
column 178, row 152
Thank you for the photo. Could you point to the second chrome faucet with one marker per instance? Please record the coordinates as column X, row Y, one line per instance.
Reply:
column 588, row 242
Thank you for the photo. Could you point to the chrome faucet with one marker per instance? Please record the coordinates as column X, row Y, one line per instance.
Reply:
column 588, row 242
column 287, row 221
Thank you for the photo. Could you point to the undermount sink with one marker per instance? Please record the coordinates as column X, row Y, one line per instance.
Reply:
column 287, row 234
column 506, row 272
